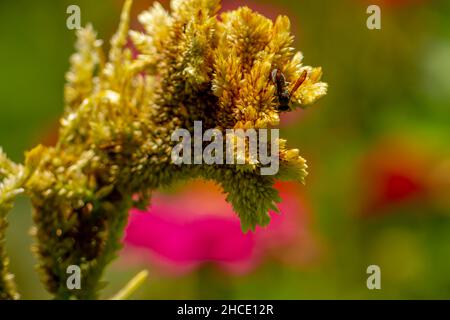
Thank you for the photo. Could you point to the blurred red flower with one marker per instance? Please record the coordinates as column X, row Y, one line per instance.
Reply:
column 393, row 174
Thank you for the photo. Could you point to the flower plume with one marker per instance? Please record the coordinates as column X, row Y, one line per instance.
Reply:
column 121, row 109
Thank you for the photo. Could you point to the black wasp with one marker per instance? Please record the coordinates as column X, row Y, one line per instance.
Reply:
column 283, row 93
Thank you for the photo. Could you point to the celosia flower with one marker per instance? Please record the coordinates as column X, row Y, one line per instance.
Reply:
column 121, row 111
column 12, row 178
column 180, row 232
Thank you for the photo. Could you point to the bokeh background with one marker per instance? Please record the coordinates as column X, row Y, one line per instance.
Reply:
column 377, row 146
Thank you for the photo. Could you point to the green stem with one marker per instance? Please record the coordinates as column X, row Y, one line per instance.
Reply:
column 131, row 286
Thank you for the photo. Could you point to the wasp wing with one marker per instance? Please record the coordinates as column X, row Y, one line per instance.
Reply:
column 299, row 82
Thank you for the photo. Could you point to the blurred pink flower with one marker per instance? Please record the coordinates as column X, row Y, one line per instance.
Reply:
column 181, row 232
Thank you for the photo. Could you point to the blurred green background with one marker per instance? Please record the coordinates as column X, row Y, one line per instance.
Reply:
column 377, row 146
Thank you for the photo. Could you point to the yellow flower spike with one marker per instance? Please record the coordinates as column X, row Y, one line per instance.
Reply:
column 79, row 78
column 121, row 112
column 316, row 74
column 156, row 22
column 248, row 125
column 292, row 154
